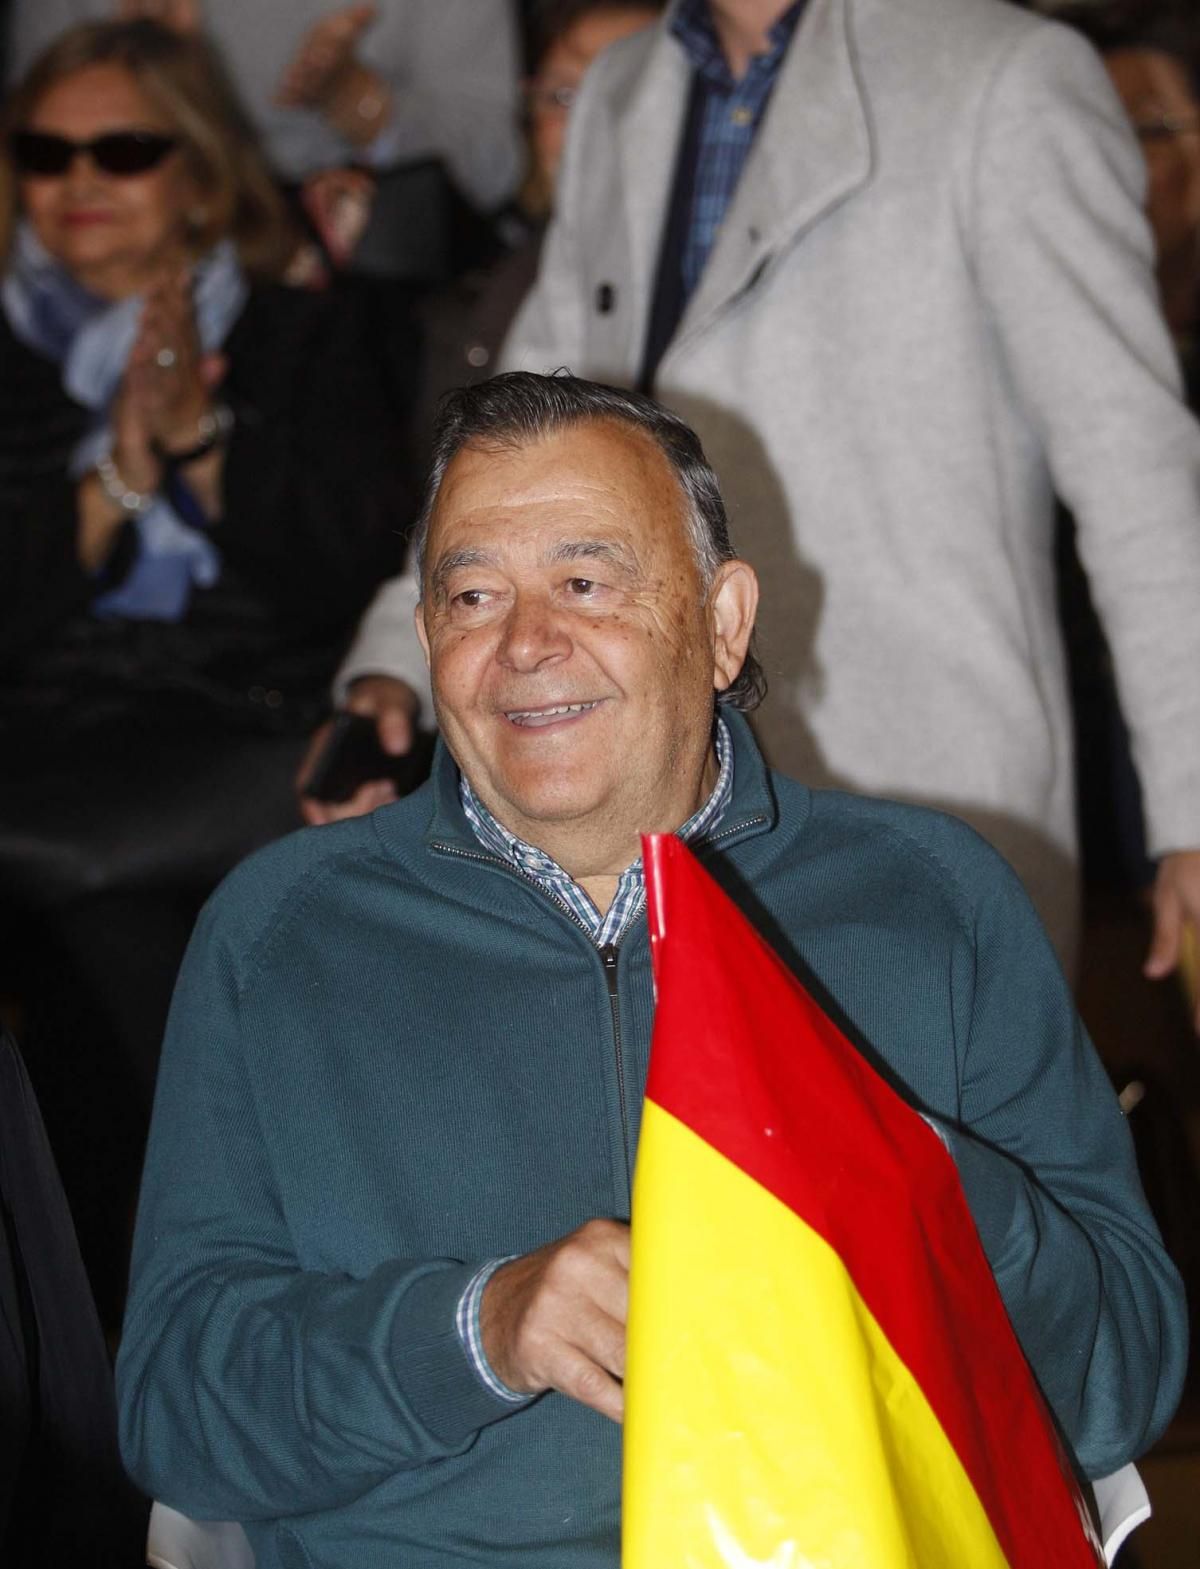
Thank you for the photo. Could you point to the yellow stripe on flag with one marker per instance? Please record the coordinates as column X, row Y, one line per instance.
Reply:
column 845, row 1467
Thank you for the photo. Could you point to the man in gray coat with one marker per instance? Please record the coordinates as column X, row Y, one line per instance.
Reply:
column 889, row 261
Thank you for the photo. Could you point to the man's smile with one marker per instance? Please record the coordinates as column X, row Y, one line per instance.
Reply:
column 535, row 718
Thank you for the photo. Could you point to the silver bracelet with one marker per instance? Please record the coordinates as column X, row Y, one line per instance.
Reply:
column 135, row 502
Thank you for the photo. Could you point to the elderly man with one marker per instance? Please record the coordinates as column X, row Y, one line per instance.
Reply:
column 378, row 1298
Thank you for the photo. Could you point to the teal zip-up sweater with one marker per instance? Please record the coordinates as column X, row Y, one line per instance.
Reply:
column 390, row 1058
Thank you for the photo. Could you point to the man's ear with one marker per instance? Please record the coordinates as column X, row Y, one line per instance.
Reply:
column 422, row 635
column 733, row 603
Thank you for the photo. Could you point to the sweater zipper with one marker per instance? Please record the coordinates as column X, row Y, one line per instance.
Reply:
column 608, row 957
column 517, row 871
column 726, row 833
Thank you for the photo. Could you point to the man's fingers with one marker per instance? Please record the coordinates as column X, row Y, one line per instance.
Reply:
column 369, row 796
column 392, row 704
column 315, row 747
column 610, row 1292
column 1176, row 921
column 1176, row 903
column 316, row 813
column 580, row 1378
column 1163, row 955
column 586, row 1362
column 351, row 22
column 555, row 1318
column 373, row 793
column 323, row 52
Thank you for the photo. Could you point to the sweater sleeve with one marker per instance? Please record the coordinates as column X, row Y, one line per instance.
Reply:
column 1065, row 263
column 386, row 643
column 249, row 1387
column 1047, row 1163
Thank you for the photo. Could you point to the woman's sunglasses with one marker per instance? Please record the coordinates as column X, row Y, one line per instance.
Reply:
column 116, row 152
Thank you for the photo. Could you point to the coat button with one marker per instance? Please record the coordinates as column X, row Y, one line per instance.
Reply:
column 606, row 298
column 478, row 356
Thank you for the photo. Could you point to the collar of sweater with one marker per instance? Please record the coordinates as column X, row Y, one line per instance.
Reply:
column 752, row 809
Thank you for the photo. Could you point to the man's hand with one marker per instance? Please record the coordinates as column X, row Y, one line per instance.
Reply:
column 338, row 203
column 1176, row 905
column 555, row 1319
column 323, row 54
column 393, row 705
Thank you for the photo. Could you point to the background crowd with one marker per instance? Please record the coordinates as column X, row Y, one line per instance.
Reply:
column 245, row 249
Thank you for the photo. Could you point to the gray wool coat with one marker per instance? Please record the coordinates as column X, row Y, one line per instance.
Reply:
column 930, row 306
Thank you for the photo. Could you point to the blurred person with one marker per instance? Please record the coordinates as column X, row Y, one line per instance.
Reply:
column 392, row 86
column 465, row 324
column 462, row 330
column 1161, row 92
column 1151, row 49
column 891, row 262
column 199, row 491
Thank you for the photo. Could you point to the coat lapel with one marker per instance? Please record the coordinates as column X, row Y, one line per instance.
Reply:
column 813, row 149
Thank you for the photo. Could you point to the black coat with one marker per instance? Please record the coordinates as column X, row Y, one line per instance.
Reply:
column 145, row 753
column 63, row 1496
column 315, row 508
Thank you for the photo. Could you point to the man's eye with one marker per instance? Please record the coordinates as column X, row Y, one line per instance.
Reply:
column 469, row 598
column 581, row 585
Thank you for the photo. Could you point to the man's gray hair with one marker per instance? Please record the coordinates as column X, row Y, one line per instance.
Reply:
column 519, row 408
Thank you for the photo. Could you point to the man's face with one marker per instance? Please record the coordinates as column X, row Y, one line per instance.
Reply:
column 561, row 70
column 572, row 648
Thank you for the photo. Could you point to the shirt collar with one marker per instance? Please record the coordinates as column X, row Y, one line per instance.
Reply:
column 528, row 858
column 692, row 25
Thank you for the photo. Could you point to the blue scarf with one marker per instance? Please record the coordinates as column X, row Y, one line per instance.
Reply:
column 91, row 339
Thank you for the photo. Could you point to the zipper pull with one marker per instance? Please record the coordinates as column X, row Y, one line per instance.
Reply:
column 608, row 957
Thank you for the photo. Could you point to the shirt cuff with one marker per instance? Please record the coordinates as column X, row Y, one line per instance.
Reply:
column 467, row 1323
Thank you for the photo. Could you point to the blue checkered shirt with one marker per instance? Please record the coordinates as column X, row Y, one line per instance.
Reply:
column 603, row 929
column 561, row 886
column 730, row 115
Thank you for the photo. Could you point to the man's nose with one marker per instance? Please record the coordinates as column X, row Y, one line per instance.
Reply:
column 534, row 633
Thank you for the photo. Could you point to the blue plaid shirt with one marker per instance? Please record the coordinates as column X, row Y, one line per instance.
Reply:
column 562, row 887
column 603, row 929
column 730, row 115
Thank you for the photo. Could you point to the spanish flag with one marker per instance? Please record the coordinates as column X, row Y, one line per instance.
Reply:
column 820, row 1371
